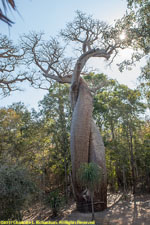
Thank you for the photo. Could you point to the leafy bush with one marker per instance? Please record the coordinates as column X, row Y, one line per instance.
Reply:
column 89, row 175
column 16, row 188
column 54, row 200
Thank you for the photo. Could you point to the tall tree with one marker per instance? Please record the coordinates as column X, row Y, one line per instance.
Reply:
column 95, row 39
column 136, row 26
column 55, row 112
column 119, row 109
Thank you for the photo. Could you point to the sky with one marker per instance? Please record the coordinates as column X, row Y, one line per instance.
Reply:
column 50, row 16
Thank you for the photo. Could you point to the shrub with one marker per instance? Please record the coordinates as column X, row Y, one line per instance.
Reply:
column 89, row 175
column 54, row 200
column 16, row 188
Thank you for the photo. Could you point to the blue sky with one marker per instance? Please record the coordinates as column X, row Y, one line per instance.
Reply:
column 50, row 16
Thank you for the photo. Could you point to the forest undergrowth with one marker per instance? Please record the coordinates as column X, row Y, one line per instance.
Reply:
column 122, row 210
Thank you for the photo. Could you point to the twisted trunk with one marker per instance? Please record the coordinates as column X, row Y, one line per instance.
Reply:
column 86, row 146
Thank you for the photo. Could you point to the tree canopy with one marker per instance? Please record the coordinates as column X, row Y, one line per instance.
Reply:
column 41, row 140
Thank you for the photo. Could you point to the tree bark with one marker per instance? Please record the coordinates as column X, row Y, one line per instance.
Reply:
column 86, row 146
column 93, row 216
column 132, row 161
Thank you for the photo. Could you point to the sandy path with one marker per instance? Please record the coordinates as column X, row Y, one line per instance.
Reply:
column 134, row 210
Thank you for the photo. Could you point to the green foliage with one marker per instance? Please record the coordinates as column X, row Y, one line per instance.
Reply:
column 89, row 175
column 16, row 188
column 118, row 111
column 136, row 26
column 56, row 115
column 55, row 201
column 40, row 141
column 136, row 2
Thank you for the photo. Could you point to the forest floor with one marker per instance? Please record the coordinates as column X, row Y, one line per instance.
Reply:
column 132, row 210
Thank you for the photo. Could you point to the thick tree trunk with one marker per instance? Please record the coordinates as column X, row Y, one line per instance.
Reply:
column 86, row 146
column 80, row 135
column 97, row 155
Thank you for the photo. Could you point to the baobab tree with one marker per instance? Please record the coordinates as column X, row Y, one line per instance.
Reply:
column 94, row 39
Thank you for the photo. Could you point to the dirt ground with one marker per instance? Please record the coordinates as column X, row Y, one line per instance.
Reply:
column 134, row 210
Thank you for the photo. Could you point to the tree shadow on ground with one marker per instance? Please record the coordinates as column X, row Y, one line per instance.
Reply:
column 134, row 210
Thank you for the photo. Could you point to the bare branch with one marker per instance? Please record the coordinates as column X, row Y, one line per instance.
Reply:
column 10, row 59
column 46, row 61
column 84, row 29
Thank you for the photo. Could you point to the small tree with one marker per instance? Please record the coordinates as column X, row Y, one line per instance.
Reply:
column 55, row 201
column 90, row 176
column 16, row 188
